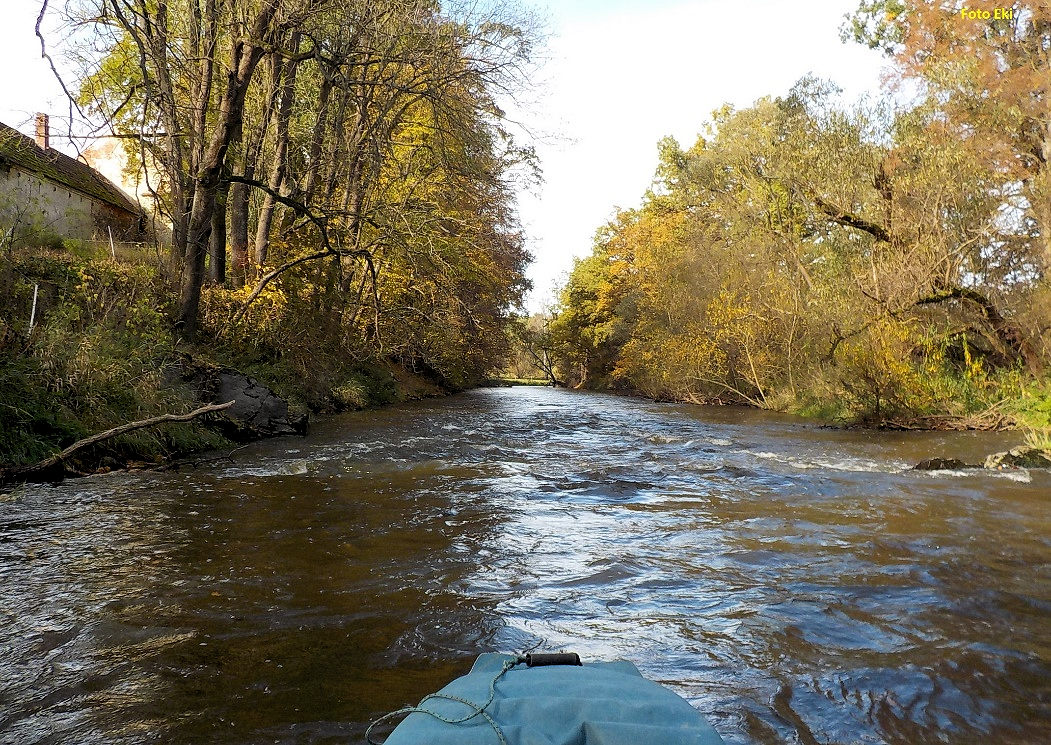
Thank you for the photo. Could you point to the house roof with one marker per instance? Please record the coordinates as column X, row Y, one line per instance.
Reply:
column 22, row 151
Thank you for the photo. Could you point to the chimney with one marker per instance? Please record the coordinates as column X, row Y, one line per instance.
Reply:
column 43, row 132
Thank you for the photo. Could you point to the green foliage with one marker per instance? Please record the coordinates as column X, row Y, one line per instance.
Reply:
column 1034, row 406
column 394, row 248
column 351, row 395
column 32, row 422
column 94, row 359
column 1032, row 410
column 847, row 264
column 389, row 151
column 377, row 383
column 534, row 350
column 876, row 24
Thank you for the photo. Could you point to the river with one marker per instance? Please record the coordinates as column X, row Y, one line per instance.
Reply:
column 797, row 584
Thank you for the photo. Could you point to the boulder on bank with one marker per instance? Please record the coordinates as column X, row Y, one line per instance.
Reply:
column 1019, row 457
column 257, row 411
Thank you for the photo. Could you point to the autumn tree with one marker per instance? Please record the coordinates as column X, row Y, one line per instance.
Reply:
column 984, row 74
column 799, row 246
column 344, row 150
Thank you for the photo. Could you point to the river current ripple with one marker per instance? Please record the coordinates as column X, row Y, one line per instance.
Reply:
column 796, row 584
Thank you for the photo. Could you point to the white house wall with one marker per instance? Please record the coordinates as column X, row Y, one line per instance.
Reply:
column 108, row 156
column 31, row 204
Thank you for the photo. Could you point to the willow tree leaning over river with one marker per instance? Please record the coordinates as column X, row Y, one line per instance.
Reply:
column 861, row 263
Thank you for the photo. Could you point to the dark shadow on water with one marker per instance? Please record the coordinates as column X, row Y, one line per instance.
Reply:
column 219, row 607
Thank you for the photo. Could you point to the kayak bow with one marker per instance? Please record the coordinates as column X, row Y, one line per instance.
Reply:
column 550, row 700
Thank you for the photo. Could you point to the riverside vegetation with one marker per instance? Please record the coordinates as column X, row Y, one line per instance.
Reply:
column 884, row 264
column 338, row 182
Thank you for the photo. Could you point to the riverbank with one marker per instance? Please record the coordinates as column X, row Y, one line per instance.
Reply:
column 1028, row 414
column 253, row 411
column 791, row 258
column 502, row 382
column 86, row 346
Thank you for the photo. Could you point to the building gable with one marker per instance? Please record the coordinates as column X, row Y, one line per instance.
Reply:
column 16, row 149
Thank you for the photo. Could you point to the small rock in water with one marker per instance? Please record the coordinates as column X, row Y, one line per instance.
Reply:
column 942, row 464
column 1019, row 457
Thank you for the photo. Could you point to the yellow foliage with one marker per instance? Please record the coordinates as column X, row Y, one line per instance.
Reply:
column 264, row 316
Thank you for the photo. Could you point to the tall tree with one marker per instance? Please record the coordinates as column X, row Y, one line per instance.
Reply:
column 986, row 67
column 321, row 134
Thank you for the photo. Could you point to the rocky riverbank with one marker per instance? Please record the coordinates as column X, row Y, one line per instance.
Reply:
column 234, row 408
column 1022, row 456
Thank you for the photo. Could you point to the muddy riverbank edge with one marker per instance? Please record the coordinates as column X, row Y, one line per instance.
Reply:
column 257, row 408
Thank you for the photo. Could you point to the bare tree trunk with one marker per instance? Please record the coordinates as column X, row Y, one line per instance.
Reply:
column 334, row 159
column 179, row 215
column 277, row 171
column 237, row 203
column 150, row 36
column 217, row 241
column 240, row 193
column 203, row 41
column 196, row 252
column 244, row 59
column 1045, row 209
column 314, row 154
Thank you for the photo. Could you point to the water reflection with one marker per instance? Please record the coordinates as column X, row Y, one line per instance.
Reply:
column 797, row 584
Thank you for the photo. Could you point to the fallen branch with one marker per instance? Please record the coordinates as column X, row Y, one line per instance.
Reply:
column 48, row 465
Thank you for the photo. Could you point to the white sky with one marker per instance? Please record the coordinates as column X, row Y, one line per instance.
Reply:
column 624, row 73
column 26, row 83
column 620, row 74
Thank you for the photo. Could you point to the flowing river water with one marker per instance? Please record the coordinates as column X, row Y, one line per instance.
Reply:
column 796, row 584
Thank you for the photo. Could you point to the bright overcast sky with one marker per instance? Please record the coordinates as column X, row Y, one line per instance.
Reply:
column 620, row 75
column 27, row 85
column 624, row 73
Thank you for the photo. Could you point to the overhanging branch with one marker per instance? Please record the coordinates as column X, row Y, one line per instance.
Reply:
column 843, row 217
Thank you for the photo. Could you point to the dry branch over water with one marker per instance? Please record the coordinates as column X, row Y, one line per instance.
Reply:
column 54, row 467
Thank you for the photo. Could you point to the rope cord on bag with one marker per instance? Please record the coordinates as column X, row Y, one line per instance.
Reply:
column 476, row 710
